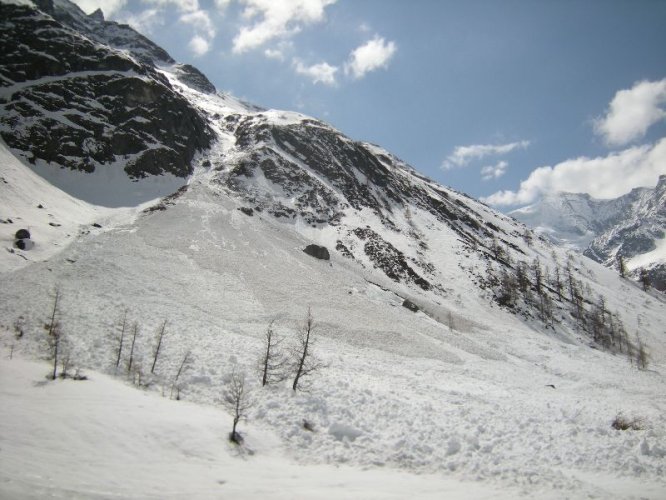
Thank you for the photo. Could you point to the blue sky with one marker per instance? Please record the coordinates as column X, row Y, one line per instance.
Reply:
column 504, row 100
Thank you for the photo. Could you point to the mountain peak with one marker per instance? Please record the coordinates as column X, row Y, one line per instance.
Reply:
column 97, row 15
column 631, row 226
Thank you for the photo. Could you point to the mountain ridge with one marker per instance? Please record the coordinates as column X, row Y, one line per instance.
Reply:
column 632, row 226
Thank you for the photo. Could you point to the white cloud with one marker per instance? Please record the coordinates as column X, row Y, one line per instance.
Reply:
column 200, row 21
column 181, row 5
column 279, row 51
column 274, row 54
column 277, row 19
column 199, row 45
column 462, row 155
column 371, row 56
column 109, row 7
column 494, row 171
column 632, row 112
column 318, row 73
column 603, row 177
column 144, row 21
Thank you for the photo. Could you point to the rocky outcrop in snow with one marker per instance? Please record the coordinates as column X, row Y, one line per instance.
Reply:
column 83, row 93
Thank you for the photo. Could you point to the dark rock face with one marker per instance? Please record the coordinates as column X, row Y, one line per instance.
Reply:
column 327, row 173
column 389, row 259
column 195, row 78
column 317, row 252
column 80, row 104
column 298, row 168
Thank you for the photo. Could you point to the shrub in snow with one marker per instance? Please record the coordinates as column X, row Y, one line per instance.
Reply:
column 308, row 426
column 622, row 423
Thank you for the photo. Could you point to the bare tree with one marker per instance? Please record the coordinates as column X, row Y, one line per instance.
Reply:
column 645, row 280
column 622, row 268
column 642, row 356
column 65, row 362
column 556, row 282
column 272, row 361
column 184, row 366
column 236, row 399
column 135, row 333
column 449, row 321
column 160, row 336
column 304, row 361
column 19, row 327
column 54, row 331
column 537, row 274
column 121, row 338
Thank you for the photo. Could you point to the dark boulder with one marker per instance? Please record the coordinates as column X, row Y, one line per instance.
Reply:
column 22, row 234
column 410, row 305
column 318, row 252
column 24, row 244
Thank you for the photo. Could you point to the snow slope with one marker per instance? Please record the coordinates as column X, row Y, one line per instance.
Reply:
column 100, row 439
column 401, row 391
column 60, row 220
column 462, row 391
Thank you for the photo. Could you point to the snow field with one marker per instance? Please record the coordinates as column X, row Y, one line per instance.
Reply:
column 400, row 391
column 99, row 439
column 403, row 400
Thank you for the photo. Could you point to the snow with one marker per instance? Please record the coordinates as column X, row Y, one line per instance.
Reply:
column 52, row 227
column 462, row 399
column 648, row 259
column 102, row 439
column 402, row 395
column 109, row 185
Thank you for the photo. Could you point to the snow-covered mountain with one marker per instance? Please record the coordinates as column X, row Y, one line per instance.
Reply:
column 84, row 94
column 453, row 340
column 632, row 227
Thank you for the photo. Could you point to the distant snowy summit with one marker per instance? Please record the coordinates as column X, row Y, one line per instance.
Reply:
column 632, row 227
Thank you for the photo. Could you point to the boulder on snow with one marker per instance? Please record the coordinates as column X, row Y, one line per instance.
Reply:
column 410, row 305
column 24, row 244
column 22, row 234
column 317, row 252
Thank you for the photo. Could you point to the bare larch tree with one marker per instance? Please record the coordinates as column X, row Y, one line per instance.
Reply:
column 272, row 362
column 304, row 361
column 54, row 331
column 236, row 399
column 160, row 336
